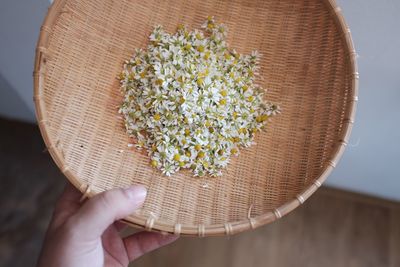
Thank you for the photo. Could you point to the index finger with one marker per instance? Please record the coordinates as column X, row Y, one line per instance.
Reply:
column 140, row 243
column 67, row 204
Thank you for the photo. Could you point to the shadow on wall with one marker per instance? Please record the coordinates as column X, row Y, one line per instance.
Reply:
column 19, row 29
column 11, row 104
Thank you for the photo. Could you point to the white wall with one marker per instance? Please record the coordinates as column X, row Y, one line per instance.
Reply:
column 11, row 104
column 20, row 22
column 370, row 163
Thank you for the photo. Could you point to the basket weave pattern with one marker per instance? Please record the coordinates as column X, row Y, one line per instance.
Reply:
column 308, row 66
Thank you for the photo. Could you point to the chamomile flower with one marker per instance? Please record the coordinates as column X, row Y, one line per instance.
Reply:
column 192, row 102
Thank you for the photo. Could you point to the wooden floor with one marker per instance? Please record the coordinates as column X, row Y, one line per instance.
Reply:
column 333, row 228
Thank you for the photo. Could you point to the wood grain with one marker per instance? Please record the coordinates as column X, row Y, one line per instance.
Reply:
column 395, row 239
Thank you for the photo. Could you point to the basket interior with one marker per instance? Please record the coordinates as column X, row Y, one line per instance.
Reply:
column 304, row 67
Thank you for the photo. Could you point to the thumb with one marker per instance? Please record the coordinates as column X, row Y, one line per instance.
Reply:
column 99, row 212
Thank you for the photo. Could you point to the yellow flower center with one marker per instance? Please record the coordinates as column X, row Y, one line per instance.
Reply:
column 159, row 81
column 157, row 117
column 187, row 131
column 177, row 157
column 143, row 74
column 154, row 163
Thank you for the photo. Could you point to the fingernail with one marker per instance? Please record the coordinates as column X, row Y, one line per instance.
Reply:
column 136, row 193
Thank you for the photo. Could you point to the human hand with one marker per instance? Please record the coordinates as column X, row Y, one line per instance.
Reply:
column 89, row 234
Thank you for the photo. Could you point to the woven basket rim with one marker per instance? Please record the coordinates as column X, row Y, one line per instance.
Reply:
column 198, row 230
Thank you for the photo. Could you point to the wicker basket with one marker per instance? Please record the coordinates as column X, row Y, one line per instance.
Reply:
column 308, row 66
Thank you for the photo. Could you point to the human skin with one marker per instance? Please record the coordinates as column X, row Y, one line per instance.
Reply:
column 88, row 234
